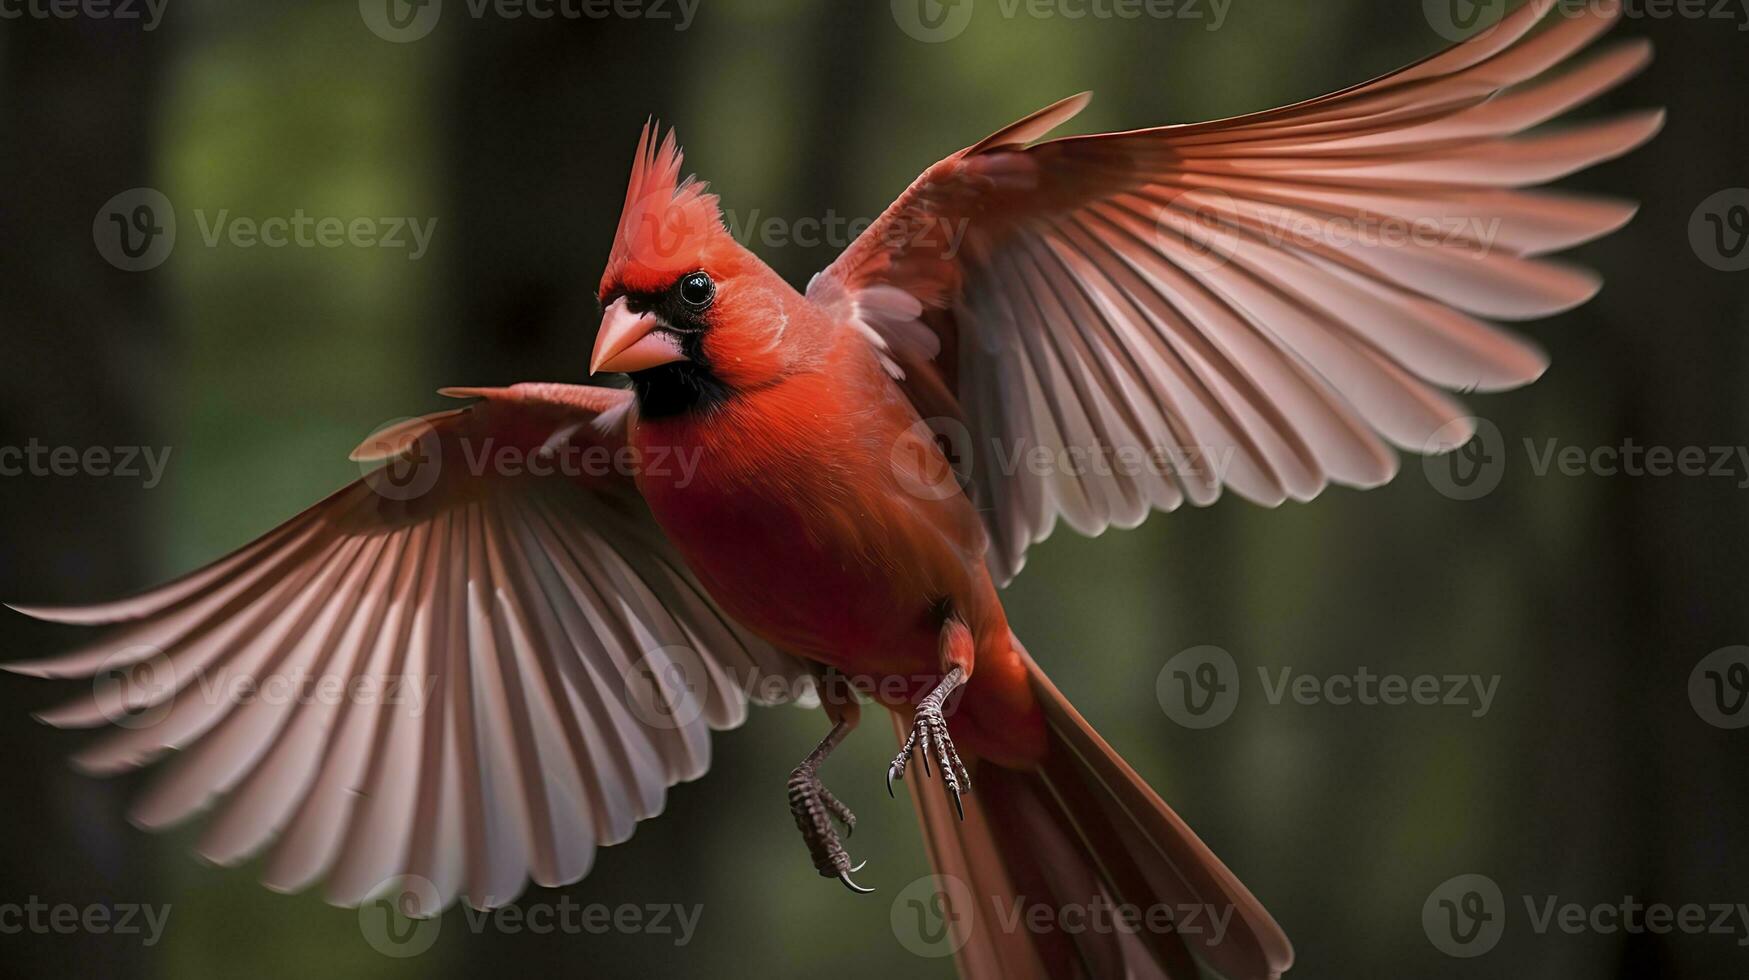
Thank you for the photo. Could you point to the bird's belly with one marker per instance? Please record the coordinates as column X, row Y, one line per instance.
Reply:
column 782, row 564
column 839, row 569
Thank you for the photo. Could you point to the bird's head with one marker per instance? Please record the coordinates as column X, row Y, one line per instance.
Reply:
column 688, row 312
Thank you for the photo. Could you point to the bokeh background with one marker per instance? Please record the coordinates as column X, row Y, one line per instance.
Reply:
column 1590, row 597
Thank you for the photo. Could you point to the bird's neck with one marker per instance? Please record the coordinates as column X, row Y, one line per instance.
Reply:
column 681, row 388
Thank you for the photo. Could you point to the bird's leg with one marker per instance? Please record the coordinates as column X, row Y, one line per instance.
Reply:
column 929, row 733
column 813, row 806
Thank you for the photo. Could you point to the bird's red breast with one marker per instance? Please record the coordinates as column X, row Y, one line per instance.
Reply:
column 791, row 506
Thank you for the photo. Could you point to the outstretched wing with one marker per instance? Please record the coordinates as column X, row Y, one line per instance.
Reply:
column 472, row 666
column 1125, row 321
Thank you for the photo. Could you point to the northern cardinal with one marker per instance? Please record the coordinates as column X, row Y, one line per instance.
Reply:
column 775, row 514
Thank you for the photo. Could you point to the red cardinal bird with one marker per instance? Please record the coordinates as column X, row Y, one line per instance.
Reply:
column 765, row 513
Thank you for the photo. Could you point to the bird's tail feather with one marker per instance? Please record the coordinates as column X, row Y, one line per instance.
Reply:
column 1078, row 869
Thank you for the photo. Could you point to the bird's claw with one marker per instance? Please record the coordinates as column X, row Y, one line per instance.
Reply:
column 839, row 811
column 853, row 886
column 814, row 808
column 929, row 735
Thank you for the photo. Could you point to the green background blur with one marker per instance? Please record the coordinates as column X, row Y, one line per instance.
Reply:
column 1592, row 598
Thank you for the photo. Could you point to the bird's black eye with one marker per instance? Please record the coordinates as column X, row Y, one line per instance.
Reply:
column 697, row 290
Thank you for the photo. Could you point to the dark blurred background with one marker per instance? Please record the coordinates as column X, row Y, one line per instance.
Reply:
column 1588, row 598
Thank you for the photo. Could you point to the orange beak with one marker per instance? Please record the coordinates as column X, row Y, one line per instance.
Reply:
column 631, row 342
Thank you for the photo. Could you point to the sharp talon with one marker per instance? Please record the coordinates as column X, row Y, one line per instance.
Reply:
column 818, row 813
column 929, row 737
column 853, row 886
column 859, row 866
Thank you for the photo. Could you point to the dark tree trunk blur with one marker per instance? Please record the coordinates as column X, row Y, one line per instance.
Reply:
column 1679, row 346
column 86, row 343
column 536, row 165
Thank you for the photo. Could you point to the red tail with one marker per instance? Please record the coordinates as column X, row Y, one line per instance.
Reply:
column 1078, row 869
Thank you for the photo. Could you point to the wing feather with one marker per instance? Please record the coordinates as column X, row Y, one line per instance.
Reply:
column 1282, row 295
column 448, row 685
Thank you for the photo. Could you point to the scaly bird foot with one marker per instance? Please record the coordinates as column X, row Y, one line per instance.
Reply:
column 929, row 733
column 814, row 808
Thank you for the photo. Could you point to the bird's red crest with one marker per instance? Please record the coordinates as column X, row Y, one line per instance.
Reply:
column 668, row 225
